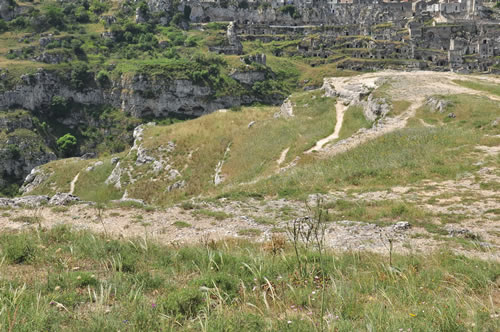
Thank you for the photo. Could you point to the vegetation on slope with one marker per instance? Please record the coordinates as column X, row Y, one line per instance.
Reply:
column 67, row 280
column 407, row 156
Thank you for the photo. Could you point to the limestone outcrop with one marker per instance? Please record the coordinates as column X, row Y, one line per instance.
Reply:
column 138, row 96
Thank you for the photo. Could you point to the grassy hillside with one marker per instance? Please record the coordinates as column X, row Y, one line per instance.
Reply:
column 200, row 144
column 433, row 146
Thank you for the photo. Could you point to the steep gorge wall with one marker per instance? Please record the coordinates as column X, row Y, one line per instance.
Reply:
column 139, row 95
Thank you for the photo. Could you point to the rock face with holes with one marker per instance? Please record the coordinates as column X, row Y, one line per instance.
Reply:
column 139, row 96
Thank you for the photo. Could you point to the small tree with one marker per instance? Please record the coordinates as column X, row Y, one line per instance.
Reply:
column 103, row 77
column 79, row 74
column 58, row 105
column 67, row 145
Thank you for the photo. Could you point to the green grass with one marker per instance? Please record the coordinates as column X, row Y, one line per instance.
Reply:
column 399, row 158
column 62, row 280
column 250, row 232
column 354, row 120
column 181, row 224
column 480, row 86
column 217, row 215
column 89, row 186
column 402, row 157
column 201, row 144
column 472, row 112
column 27, row 219
column 381, row 212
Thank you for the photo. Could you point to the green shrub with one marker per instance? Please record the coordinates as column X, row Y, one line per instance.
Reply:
column 290, row 10
column 80, row 75
column 13, row 151
column 228, row 285
column 54, row 16
column 3, row 26
column 18, row 250
column 58, row 105
column 103, row 77
column 67, row 145
column 186, row 302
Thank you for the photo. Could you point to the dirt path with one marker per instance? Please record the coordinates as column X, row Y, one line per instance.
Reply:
column 282, row 156
column 340, row 109
column 415, row 87
column 73, row 183
column 383, row 127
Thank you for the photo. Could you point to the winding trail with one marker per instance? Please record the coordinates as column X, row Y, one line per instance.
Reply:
column 283, row 156
column 414, row 87
column 340, row 109
column 73, row 183
column 384, row 126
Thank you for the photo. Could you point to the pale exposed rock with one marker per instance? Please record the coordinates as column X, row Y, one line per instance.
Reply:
column 248, row 77
column 63, row 199
column 140, row 17
column 89, row 155
column 28, row 154
column 177, row 185
column 36, row 177
column 125, row 199
column 486, row 170
column 53, row 57
column 157, row 166
column 173, row 174
column 401, row 226
column 5, row 202
column 218, row 177
column 232, row 45
column 92, row 167
column 166, row 97
column 375, row 108
column 115, row 177
column 286, row 110
column 143, row 157
column 437, row 105
column 31, row 200
column 456, row 231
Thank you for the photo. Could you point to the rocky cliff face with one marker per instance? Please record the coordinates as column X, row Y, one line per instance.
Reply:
column 138, row 96
column 338, row 14
column 21, row 148
column 9, row 9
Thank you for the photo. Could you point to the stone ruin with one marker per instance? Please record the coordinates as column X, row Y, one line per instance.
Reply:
column 457, row 35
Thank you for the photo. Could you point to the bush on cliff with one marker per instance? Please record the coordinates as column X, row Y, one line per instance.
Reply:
column 67, row 145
